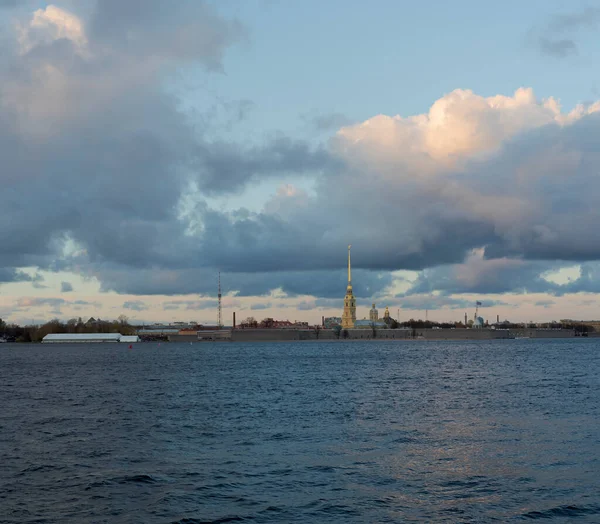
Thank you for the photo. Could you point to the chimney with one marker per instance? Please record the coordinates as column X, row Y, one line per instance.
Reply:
column 497, row 319
column 234, row 320
column 323, row 320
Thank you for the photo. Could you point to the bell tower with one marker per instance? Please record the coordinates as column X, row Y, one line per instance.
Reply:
column 349, row 315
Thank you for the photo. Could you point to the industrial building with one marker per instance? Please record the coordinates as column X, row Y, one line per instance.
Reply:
column 65, row 338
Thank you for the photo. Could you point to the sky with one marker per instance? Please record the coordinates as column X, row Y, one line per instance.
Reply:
column 147, row 145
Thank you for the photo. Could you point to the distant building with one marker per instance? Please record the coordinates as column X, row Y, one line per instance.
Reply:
column 369, row 324
column 593, row 324
column 62, row 338
column 127, row 339
column 373, row 314
column 331, row 322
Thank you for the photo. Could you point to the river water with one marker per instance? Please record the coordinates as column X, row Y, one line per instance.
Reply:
column 341, row 431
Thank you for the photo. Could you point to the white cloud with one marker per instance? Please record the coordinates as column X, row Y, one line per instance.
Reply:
column 459, row 126
column 51, row 24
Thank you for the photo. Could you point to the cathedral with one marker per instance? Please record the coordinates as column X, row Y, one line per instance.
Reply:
column 374, row 315
column 349, row 315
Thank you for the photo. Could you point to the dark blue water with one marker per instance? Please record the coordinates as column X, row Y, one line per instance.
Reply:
column 406, row 431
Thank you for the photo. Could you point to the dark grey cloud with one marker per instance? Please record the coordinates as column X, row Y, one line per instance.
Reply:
column 587, row 282
column 119, row 154
column 8, row 274
column 66, row 287
column 299, row 246
column 559, row 48
column 54, row 304
column 227, row 168
column 51, row 301
column 85, row 303
column 113, row 169
column 550, row 39
column 506, row 276
column 330, row 284
column 588, row 18
column 259, row 306
column 189, row 30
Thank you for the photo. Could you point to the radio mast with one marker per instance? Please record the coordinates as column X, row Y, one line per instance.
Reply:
column 220, row 318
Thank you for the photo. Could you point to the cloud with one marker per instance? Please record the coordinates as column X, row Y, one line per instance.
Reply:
column 436, row 302
column 259, row 306
column 549, row 39
column 120, row 182
column 85, row 117
column 135, row 305
column 557, row 48
column 329, row 283
column 31, row 302
column 328, row 122
column 190, row 305
column 478, row 275
column 50, row 25
column 66, row 287
column 189, row 31
column 587, row 18
column 13, row 275
column 545, row 303
column 227, row 168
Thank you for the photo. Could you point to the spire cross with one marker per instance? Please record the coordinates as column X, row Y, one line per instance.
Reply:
column 349, row 271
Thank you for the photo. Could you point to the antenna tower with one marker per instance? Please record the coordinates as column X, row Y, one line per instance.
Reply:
column 220, row 316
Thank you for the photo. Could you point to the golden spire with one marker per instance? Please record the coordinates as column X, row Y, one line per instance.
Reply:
column 349, row 271
column 349, row 315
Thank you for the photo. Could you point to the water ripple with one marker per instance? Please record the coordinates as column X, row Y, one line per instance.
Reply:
column 446, row 432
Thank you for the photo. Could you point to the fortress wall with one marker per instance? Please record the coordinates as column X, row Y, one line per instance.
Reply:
column 551, row 333
column 461, row 334
column 356, row 334
column 382, row 334
column 264, row 335
column 183, row 338
column 543, row 333
column 324, row 334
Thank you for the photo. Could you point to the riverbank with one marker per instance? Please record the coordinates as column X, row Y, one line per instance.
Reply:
column 282, row 335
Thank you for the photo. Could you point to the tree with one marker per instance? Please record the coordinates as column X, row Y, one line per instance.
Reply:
column 267, row 323
column 250, row 322
column 374, row 329
column 2, row 326
column 317, row 331
column 345, row 333
column 337, row 330
column 72, row 325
